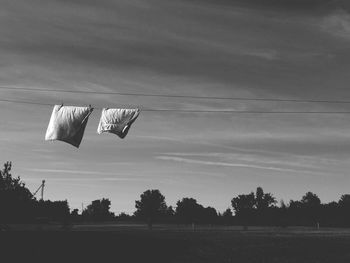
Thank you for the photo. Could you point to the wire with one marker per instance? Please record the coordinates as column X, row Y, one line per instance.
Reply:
column 178, row 96
column 247, row 111
column 196, row 111
column 26, row 102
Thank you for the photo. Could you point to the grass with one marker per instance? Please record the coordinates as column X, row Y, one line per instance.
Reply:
column 134, row 243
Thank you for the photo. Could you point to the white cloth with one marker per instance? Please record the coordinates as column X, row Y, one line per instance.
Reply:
column 68, row 124
column 117, row 121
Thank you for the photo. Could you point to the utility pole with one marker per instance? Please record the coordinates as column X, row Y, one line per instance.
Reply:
column 42, row 189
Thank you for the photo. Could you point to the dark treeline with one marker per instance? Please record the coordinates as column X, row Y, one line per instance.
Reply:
column 259, row 209
column 18, row 205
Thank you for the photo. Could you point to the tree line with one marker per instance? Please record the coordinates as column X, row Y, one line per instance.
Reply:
column 18, row 205
column 256, row 208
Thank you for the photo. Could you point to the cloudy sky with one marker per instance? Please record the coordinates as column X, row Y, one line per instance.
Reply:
column 288, row 49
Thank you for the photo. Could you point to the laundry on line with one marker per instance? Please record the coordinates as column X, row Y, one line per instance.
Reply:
column 67, row 123
column 117, row 121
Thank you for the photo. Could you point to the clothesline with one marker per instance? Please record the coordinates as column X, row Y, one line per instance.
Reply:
column 191, row 111
column 177, row 96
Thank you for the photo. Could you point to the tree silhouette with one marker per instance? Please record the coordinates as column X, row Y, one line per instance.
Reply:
column 263, row 200
column 52, row 211
column 250, row 208
column 74, row 215
column 227, row 216
column 16, row 201
column 343, row 210
column 170, row 211
column 150, row 206
column 344, row 201
column 9, row 184
column 209, row 215
column 263, row 204
column 124, row 216
column 243, row 203
column 188, row 210
column 98, row 210
column 310, row 200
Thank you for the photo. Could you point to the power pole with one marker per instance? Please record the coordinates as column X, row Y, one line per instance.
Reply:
column 42, row 189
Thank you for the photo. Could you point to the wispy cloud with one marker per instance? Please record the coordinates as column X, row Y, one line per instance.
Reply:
column 263, row 158
column 42, row 151
column 264, row 54
column 158, row 138
column 227, row 164
column 338, row 23
column 63, row 171
column 86, row 179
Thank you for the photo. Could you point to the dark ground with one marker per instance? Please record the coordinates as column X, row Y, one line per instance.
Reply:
column 134, row 243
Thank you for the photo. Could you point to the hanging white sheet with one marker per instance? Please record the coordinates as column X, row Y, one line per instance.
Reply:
column 117, row 121
column 68, row 124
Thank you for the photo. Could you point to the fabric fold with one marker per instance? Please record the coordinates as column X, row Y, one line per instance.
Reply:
column 117, row 121
column 67, row 124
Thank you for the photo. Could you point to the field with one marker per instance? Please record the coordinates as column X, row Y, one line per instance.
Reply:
column 134, row 243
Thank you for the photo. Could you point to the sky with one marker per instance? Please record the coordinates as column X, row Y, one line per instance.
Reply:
column 286, row 49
